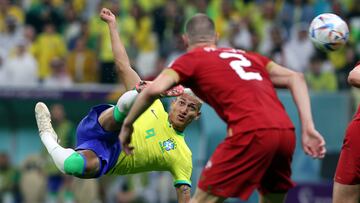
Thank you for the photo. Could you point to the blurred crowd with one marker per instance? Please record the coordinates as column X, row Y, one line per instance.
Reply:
column 59, row 43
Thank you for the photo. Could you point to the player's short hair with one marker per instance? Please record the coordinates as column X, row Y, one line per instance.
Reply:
column 200, row 28
column 191, row 93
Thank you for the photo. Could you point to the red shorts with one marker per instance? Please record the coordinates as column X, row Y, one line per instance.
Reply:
column 348, row 168
column 254, row 160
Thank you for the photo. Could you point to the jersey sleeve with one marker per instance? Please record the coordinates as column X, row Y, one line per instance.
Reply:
column 181, row 173
column 262, row 60
column 184, row 66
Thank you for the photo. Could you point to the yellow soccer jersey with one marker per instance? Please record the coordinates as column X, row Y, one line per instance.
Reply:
column 158, row 147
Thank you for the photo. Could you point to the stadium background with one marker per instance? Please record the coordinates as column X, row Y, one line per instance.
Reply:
column 58, row 51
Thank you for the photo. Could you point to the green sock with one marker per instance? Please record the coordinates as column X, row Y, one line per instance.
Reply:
column 118, row 115
column 75, row 165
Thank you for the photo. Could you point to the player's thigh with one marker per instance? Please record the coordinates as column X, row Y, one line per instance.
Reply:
column 348, row 168
column 346, row 193
column 201, row 196
column 277, row 179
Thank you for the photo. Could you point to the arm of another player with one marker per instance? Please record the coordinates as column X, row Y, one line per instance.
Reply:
column 312, row 141
column 163, row 82
column 354, row 76
column 183, row 193
column 127, row 75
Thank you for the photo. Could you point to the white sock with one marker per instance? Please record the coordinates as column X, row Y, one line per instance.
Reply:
column 126, row 101
column 57, row 152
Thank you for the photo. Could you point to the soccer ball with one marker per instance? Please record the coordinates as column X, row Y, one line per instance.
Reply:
column 328, row 32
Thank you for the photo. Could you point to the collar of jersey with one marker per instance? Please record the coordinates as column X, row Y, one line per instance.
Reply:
column 177, row 132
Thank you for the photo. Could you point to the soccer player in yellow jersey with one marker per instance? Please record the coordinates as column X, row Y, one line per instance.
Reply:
column 158, row 137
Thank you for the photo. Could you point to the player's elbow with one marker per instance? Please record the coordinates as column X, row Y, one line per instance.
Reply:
column 295, row 79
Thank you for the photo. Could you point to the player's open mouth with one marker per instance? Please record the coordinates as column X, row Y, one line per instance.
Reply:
column 181, row 117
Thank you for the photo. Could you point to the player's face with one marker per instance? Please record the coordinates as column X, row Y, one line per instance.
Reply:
column 184, row 109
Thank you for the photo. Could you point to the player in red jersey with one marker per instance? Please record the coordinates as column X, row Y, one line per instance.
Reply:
column 347, row 176
column 239, row 85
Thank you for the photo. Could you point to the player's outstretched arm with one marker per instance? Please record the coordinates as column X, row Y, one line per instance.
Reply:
column 163, row 82
column 312, row 141
column 354, row 76
column 183, row 193
column 127, row 75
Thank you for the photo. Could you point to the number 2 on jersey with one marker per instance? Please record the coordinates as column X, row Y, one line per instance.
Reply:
column 238, row 66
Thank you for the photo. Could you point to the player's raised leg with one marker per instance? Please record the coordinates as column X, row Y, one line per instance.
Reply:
column 67, row 160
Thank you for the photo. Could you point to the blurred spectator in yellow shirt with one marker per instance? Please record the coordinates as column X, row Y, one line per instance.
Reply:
column 320, row 76
column 8, row 9
column 48, row 45
column 82, row 63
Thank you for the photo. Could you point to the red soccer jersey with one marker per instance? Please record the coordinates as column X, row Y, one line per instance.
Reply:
column 236, row 84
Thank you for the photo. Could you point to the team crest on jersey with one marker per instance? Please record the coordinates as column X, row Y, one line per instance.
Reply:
column 168, row 145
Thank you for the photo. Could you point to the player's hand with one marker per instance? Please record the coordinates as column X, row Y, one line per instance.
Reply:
column 141, row 85
column 125, row 138
column 313, row 143
column 172, row 92
column 107, row 16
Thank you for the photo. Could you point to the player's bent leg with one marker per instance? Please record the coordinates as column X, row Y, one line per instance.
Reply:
column 346, row 193
column 66, row 160
column 202, row 197
column 272, row 198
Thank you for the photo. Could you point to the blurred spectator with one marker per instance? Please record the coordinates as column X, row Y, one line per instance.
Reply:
column 82, row 63
column 179, row 49
column 274, row 47
column 9, row 9
column 21, row 67
column 72, row 26
column 33, row 180
column 228, row 24
column 29, row 35
column 168, row 23
column 243, row 36
column 8, row 179
column 3, row 58
column 64, row 128
column 90, row 39
column 322, row 6
column 44, row 12
column 296, row 11
column 354, row 22
column 299, row 49
column 145, row 42
column 12, row 35
column 76, row 190
column 320, row 76
column 59, row 77
column 48, row 45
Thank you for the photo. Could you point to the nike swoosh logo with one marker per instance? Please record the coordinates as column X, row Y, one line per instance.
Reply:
column 152, row 111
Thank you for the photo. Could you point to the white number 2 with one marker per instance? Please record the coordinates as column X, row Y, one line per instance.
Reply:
column 238, row 65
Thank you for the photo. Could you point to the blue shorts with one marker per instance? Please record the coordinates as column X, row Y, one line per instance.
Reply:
column 91, row 136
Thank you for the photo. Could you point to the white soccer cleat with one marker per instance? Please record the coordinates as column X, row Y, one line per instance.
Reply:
column 43, row 120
